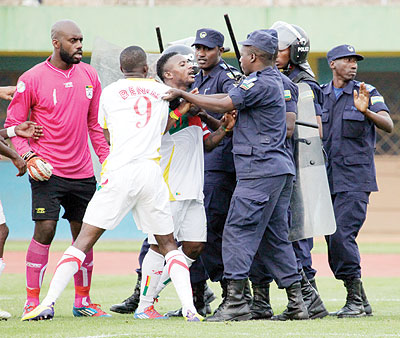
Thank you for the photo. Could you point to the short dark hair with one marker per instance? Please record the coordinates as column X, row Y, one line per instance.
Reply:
column 161, row 64
column 132, row 57
column 265, row 57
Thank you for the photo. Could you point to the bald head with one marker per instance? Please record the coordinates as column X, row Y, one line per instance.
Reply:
column 64, row 27
column 132, row 59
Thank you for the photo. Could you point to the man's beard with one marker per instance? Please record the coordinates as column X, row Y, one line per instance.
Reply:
column 68, row 59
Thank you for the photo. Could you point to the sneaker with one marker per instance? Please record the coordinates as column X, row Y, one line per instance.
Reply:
column 193, row 317
column 4, row 315
column 91, row 310
column 149, row 313
column 40, row 312
column 29, row 306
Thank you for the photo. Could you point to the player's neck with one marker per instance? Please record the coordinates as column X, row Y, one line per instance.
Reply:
column 135, row 75
column 57, row 62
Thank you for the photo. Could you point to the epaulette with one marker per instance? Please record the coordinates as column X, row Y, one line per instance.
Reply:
column 369, row 87
column 248, row 83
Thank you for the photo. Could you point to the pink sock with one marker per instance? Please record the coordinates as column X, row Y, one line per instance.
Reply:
column 83, row 280
column 37, row 258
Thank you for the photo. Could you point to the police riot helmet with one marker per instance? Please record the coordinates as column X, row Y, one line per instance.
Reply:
column 294, row 37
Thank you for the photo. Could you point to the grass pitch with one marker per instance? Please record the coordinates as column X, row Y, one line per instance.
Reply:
column 383, row 293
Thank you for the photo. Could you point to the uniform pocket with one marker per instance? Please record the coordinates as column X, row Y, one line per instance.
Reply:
column 247, row 207
column 353, row 123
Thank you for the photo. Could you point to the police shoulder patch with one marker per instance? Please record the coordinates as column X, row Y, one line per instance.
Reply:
column 246, row 85
column 288, row 95
column 230, row 75
column 376, row 99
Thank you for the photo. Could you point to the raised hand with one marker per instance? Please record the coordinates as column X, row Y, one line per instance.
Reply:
column 361, row 99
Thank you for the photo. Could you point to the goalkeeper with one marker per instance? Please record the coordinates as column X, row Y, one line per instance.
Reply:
column 61, row 94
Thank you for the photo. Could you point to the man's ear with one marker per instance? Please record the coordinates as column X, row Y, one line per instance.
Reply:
column 168, row 75
column 56, row 43
column 332, row 64
column 253, row 57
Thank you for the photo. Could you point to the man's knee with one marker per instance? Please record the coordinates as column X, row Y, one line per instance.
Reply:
column 192, row 249
column 45, row 231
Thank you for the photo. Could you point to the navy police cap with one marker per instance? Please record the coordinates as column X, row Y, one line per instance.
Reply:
column 342, row 51
column 264, row 39
column 209, row 38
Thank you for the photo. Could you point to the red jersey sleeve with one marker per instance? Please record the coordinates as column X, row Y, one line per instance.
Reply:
column 18, row 110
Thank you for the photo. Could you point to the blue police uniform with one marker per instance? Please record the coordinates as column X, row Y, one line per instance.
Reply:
column 349, row 140
column 219, row 171
column 259, row 273
column 257, row 216
column 303, row 247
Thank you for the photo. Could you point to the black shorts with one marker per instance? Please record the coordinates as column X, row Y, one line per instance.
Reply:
column 73, row 194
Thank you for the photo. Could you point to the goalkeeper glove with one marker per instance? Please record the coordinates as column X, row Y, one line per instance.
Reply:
column 38, row 168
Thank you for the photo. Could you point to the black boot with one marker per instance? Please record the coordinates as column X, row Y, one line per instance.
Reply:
column 224, row 286
column 313, row 283
column 296, row 309
column 354, row 303
column 366, row 304
column 198, row 297
column 248, row 297
column 234, row 307
column 209, row 297
column 312, row 300
column 130, row 304
column 261, row 308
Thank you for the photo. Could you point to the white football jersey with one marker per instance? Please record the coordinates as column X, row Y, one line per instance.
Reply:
column 135, row 114
column 182, row 158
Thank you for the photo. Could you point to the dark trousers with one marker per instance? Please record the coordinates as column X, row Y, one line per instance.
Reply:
column 350, row 212
column 257, row 223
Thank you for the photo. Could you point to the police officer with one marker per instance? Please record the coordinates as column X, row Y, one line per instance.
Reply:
column 350, row 113
column 260, row 276
column 219, row 172
column 293, row 47
column 257, row 218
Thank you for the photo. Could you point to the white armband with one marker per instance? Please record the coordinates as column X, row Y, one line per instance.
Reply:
column 11, row 131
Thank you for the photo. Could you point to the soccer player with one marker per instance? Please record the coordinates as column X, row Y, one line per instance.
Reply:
column 26, row 129
column 135, row 114
column 182, row 162
column 61, row 94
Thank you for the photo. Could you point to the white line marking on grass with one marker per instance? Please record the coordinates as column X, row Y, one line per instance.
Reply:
column 343, row 334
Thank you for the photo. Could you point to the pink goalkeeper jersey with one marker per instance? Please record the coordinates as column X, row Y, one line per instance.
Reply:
column 66, row 104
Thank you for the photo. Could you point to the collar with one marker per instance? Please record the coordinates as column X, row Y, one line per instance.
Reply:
column 348, row 89
column 66, row 73
column 294, row 72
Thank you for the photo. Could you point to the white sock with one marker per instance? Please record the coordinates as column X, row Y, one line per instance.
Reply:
column 179, row 273
column 165, row 278
column 2, row 265
column 68, row 266
column 152, row 267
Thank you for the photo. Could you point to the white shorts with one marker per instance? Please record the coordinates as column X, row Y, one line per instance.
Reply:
column 190, row 223
column 2, row 216
column 137, row 187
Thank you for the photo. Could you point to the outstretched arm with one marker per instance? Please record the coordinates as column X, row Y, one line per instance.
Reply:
column 6, row 93
column 381, row 119
column 207, row 102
